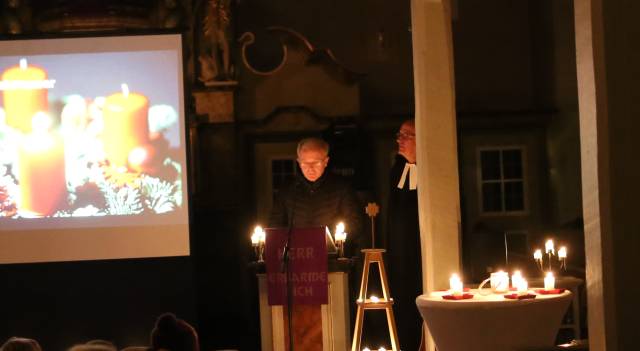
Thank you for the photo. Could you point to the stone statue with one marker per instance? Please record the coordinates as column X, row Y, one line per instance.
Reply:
column 215, row 62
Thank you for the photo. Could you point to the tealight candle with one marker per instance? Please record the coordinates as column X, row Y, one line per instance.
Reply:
column 455, row 284
column 549, row 281
column 516, row 277
column 522, row 287
column 374, row 299
column 501, row 282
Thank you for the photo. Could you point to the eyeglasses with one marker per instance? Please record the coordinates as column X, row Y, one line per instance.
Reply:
column 313, row 164
column 403, row 135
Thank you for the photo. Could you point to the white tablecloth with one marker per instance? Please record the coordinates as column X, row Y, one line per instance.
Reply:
column 493, row 322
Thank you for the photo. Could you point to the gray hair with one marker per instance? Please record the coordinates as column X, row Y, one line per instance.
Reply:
column 313, row 144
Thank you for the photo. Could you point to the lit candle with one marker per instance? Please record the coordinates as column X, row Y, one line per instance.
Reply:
column 522, row 287
column 502, row 281
column 382, row 349
column 548, row 247
column 516, row 277
column 43, row 186
column 562, row 252
column 22, row 103
column 126, row 125
column 374, row 299
column 455, row 285
column 340, row 234
column 562, row 255
column 366, row 349
column 255, row 237
column 537, row 255
column 549, row 281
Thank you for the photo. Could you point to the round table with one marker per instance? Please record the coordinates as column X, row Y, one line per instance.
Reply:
column 493, row 322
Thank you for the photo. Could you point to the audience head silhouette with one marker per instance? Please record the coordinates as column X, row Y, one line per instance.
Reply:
column 20, row 344
column 173, row 334
column 95, row 345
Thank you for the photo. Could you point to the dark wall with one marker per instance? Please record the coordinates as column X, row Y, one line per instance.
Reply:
column 368, row 36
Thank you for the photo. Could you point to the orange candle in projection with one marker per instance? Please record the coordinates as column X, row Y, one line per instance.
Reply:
column 22, row 103
column 42, row 179
column 126, row 125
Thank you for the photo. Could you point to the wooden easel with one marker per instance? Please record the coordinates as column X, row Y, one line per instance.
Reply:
column 386, row 303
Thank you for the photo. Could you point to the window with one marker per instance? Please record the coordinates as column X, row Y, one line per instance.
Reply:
column 283, row 171
column 502, row 181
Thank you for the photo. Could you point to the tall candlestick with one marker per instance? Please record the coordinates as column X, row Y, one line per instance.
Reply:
column 257, row 241
column 549, row 250
column 126, row 125
column 21, row 103
column 43, row 186
column 537, row 255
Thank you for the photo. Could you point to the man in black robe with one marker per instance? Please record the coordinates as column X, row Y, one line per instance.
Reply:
column 403, row 239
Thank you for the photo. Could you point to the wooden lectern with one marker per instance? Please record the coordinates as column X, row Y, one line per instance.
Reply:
column 324, row 327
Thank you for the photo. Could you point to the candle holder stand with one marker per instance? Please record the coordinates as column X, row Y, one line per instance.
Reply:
column 372, row 256
column 259, row 252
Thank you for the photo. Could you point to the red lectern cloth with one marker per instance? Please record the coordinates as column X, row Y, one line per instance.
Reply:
column 307, row 265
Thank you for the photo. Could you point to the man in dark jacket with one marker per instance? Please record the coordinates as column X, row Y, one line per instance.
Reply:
column 403, row 239
column 318, row 198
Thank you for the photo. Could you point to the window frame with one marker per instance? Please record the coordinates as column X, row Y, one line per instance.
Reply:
column 480, row 181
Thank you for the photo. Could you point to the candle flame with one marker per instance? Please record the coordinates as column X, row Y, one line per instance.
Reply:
column 537, row 254
column 562, row 253
column 23, row 63
column 366, row 349
column 125, row 89
column 550, row 274
column 374, row 298
column 340, row 228
column 549, row 247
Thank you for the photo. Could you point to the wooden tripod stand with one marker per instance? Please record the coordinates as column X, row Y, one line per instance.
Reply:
column 386, row 303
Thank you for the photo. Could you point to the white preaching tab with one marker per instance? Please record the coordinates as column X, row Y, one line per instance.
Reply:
column 412, row 170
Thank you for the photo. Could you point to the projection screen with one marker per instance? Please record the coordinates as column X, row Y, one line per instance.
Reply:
column 92, row 149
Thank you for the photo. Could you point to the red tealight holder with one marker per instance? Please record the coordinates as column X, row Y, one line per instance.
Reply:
column 549, row 292
column 519, row 297
column 458, row 297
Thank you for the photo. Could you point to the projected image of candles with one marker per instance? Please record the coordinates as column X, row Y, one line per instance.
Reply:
column 81, row 145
